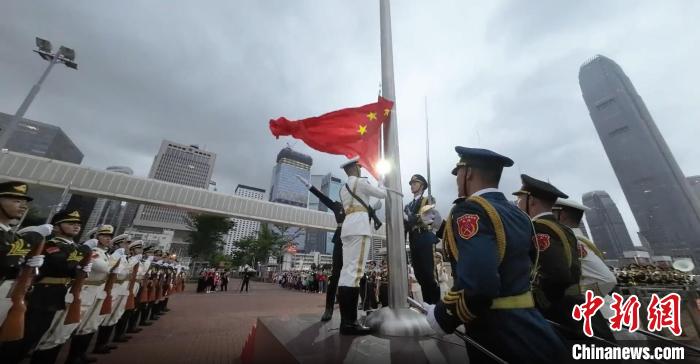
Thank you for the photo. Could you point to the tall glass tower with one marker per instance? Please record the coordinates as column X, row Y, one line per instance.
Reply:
column 287, row 189
column 606, row 224
column 667, row 213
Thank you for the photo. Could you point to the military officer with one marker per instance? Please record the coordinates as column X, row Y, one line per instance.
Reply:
column 13, row 249
column 93, row 295
column 595, row 274
column 356, row 237
column 557, row 289
column 421, row 240
column 489, row 243
column 119, row 293
column 49, row 295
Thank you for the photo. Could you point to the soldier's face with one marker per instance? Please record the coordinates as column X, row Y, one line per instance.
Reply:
column 416, row 186
column 104, row 240
column 14, row 207
column 70, row 228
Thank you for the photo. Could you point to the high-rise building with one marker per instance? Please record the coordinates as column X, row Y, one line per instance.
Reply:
column 107, row 211
column 287, row 189
column 667, row 214
column 243, row 228
column 694, row 182
column 176, row 163
column 42, row 140
column 607, row 227
column 320, row 240
column 330, row 185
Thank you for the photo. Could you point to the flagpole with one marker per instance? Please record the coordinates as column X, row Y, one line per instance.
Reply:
column 397, row 319
column 427, row 149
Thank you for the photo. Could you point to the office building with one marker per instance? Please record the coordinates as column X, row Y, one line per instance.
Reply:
column 608, row 230
column 243, row 228
column 287, row 189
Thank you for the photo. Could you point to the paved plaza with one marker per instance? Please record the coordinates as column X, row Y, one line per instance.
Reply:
column 210, row 328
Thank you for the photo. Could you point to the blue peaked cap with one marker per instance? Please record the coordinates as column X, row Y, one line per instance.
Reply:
column 478, row 157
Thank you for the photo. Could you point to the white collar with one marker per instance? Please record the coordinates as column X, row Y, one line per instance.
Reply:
column 5, row 227
column 541, row 215
column 485, row 190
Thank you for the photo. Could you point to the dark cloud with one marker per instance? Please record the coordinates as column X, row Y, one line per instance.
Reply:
column 500, row 75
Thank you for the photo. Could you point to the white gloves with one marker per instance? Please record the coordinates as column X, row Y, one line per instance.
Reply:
column 87, row 268
column 430, row 315
column 35, row 261
column 92, row 243
column 45, row 230
column 69, row 297
column 377, row 205
column 431, row 216
column 150, row 259
column 117, row 254
column 304, row 181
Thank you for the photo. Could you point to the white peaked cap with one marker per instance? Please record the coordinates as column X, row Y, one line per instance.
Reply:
column 572, row 204
column 350, row 162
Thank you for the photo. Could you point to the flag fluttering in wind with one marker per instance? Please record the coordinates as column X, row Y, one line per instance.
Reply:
column 350, row 132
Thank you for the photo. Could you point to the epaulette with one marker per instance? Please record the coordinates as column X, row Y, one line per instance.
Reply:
column 561, row 235
column 495, row 218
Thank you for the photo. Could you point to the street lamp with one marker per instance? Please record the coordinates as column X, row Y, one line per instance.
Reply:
column 64, row 55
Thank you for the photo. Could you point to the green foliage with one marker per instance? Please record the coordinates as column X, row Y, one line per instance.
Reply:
column 268, row 242
column 207, row 236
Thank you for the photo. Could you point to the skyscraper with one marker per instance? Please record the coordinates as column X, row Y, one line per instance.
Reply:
column 287, row 189
column 107, row 211
column 243, row 228
column 42, row 140
column 694, row 182
column 320, row 240
column 607, row 227
column 177, row 163
column 655, row 187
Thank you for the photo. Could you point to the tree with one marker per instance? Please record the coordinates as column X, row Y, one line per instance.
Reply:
column 207, row 235
column 268, row 242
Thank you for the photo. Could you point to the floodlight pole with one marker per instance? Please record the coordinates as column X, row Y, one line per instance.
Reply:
column 5, row 136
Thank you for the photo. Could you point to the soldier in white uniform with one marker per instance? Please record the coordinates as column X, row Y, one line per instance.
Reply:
column 92, row 295
column 356, row 237
column 131, row 316
column 595, row 275
column 119, row 294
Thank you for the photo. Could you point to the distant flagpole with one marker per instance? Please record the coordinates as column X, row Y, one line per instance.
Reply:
column 427, row 149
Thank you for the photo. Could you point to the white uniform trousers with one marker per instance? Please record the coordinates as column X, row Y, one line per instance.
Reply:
column 5, row 301
column 120, row 292
column 91, row 319
column 355, row 253
column 58, row 333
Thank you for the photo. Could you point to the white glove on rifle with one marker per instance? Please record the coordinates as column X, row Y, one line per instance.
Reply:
column 92, row 243
column 150, row 259
column 377, row 205
column 304, row 181
column 44, row 230
column 87, row 268
column 430, row 315
column 35, row 261
column 431, row 216
column 117, row 254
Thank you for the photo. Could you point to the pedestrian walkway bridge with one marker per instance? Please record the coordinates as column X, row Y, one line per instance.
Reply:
column 117, row 186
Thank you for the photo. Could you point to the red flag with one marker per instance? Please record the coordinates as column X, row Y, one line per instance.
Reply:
column 350, row 132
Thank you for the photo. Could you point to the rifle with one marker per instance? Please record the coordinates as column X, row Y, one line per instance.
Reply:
column 12, row 328
column 159, row 286
column 107, row 303
column 144, row 294
column 73, row 312
column 131, row 300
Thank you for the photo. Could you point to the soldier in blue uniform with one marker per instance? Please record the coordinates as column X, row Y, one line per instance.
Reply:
column 489, row 242
column 421, row 240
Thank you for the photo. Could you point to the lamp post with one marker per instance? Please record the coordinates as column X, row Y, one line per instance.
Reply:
column 64, row 55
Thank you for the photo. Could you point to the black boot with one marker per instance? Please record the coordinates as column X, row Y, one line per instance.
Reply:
column 78, row 348
column 145, row 313
column 330, row 302
column 327, row 314
column 120, row 335
column 47, row 356
column 133, row 328
column 103, row 334
column 348, row 312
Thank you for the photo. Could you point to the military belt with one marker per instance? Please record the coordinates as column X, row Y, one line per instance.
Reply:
column 523, row 300
column 353, row 209
column 94, row 283
column 55, row 280
column 120, row 281
column 573, row 290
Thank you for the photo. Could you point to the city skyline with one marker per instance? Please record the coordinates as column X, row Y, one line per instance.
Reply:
column 497, row 100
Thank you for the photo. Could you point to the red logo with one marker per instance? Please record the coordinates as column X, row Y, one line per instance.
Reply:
column 468, row 225
column 626, row 313
column 542, row 241
column 665, row 313
column 586, row 310
column 52, row 249
column 582, row 252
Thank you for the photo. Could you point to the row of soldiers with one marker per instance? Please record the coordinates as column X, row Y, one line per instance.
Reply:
column 53, row 290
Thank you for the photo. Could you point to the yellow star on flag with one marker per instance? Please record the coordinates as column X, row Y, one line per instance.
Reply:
column 362, row 130
column 386, row 112
column 372, row 116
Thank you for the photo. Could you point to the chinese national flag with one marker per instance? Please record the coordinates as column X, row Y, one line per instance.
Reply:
column 350, row 132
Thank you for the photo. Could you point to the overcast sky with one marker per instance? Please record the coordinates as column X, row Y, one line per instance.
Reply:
column 497, row 74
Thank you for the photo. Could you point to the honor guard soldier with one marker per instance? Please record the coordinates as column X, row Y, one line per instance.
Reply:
column 146, row 291
column 47, row 300
column 13, row 249
column 93, row 295
column 421, row 240
column 337, row 263
column 356, row 236
column 133, row 313
column 118, row 293
column 557, row 288
column 595, row 274
column 489, row 243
